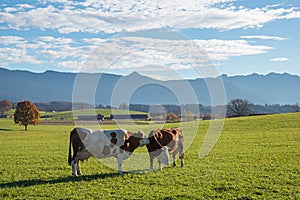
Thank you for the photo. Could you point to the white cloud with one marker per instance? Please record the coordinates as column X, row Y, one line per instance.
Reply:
column 224, row 49
column 14, row 55
column 53, row 40
column 25, row 6
column 8, row 40
column 115, row 16
column 141, row 53
column 73, row 65
column 279, row 59
column 264, row 37
column 40, row 50
column 10, row 9
column 95, row 41
column 124, row 52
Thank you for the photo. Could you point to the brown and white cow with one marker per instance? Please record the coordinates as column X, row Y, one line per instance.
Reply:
column 170, row 138
column 102, row 144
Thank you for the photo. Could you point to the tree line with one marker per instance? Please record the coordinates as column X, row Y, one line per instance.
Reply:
column 27, row 113
column 236, row 107
column 6, row 105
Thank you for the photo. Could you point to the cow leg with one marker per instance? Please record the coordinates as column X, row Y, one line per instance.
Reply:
column 160, row 166
column 74, row 172
column 174, row 159
column 181, row 156
column 81, row 156
column 151, row 162
column 181, row 153
column 120, row 160
column 78, row 168
column 182, row 163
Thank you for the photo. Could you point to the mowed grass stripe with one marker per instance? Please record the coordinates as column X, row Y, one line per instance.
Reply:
column 255, row 158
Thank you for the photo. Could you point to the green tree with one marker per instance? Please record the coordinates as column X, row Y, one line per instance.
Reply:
column 26, row 114
column 238, row 107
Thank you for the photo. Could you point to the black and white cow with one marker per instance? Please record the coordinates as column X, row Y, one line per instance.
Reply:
column 102, row 144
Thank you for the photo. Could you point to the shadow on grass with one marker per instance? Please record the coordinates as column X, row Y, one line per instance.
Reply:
column 5, row 129
column 28, row 183
column 138, row 171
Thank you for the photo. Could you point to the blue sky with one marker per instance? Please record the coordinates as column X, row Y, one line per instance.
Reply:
column 163, row 39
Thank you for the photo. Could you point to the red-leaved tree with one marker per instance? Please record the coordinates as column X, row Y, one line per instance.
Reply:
column 26, row 114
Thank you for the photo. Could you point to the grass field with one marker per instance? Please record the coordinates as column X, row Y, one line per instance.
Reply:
column 254, row 158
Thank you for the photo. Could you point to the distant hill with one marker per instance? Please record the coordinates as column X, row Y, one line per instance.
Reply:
column 113, row 89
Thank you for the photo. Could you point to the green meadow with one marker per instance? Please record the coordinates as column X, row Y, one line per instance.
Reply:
column 254, row 158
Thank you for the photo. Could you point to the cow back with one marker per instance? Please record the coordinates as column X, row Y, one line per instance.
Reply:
column 165, row 137
column 158, row 139
column 104, row 143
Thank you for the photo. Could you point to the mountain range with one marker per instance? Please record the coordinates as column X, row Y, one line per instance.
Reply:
column 110, row 89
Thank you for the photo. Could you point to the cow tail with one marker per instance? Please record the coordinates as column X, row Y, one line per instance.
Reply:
column 181, row 151
column 70, row 153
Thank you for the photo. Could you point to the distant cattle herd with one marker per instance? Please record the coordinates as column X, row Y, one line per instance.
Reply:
column 122, row 143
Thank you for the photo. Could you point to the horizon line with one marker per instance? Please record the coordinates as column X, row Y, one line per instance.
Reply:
column 135, row 72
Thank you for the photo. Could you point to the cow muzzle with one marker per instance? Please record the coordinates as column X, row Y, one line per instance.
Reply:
column 144, row 141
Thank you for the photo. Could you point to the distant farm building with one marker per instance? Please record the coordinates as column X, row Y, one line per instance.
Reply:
column 98, row 117
column 129, row 117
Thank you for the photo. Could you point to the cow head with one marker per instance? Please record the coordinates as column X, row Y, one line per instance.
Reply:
column 135, row 140
column 163, row 157
column 144, row 140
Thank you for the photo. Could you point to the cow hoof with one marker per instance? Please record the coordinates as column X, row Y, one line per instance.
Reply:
column 182, row 164
column 120, row 172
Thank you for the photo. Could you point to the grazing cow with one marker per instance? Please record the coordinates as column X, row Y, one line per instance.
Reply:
column 102, row 144
column 170, row 138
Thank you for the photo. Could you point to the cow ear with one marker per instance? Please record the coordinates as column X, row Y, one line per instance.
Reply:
column 140, row 134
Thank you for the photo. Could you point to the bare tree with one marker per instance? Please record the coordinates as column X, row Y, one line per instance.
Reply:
column 296, row 107
column 123, row 106
column 238, row 107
